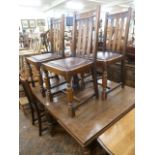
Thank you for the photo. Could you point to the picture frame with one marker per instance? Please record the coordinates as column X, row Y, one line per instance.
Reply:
column 25, row 23
column 41, row 22
column 32, row 23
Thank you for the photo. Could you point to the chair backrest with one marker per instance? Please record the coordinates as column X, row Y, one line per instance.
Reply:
column 116, row 31
column 85, row 34
column 57, row 35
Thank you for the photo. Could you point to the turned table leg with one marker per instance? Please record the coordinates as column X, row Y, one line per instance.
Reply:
column 104, row 82
column 71, row 110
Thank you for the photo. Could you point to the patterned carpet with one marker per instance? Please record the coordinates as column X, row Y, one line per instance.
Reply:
column 60, row 144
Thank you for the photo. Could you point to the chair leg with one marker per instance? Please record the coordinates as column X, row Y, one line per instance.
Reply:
column 41, row 82
column 51, row 122
column 123, row 73
column 104, row 83
column 75, row 82
column 39, row 123
column 32, row 114
column 40, row 126
column 47, row 83
column 94, row 76
column 82, row 81
column 71, row 110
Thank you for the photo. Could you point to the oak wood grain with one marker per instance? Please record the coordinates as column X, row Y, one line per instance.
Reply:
column 93, row 119
column 119, row 139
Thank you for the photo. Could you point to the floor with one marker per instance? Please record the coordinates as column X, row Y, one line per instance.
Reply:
column 60, row 144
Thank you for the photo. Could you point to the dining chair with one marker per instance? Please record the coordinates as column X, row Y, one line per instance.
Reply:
column 57, row 52
column 116, row 31
column 36, row 107
column 84, row 47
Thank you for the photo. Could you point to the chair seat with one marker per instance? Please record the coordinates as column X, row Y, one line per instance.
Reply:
column 44, row 57
column 68, row 65
column 108, row 56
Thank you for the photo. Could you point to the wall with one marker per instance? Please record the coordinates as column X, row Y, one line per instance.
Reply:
column 31, row 13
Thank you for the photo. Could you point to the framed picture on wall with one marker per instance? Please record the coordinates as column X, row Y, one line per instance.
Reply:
column 32, row 23
column 41, row 22
column 25, row 23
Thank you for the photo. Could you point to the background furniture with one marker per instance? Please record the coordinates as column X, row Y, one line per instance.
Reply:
column 114, row 48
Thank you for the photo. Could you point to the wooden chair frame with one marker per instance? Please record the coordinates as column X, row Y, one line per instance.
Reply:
column 83, row 55
column 57, row 42
column 114, row 46
column 34, row 105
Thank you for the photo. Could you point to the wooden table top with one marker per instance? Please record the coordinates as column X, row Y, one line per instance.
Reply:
column 119, row 139
column 94, row 117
